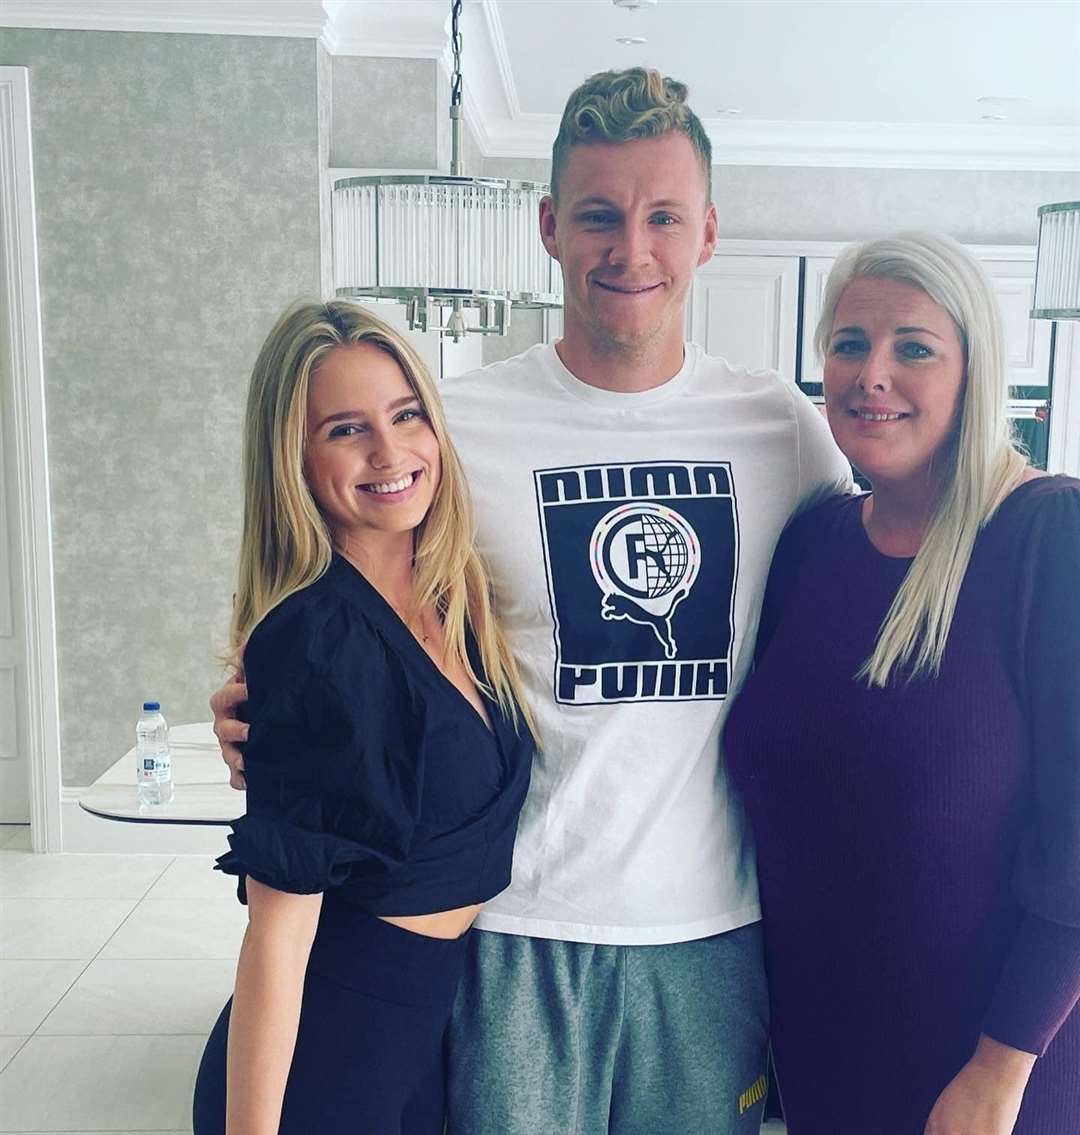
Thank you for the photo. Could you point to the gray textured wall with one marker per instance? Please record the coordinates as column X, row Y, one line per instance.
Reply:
column 385, row 113
column 177, row 210
column 324, row 64
column 797, row 203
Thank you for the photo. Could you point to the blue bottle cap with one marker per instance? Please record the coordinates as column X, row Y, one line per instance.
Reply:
column 152, row 706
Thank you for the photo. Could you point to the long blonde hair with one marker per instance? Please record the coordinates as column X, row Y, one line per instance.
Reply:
column 981, row 466
column 286, row 544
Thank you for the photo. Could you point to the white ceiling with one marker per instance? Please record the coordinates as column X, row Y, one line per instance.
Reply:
column 817, row 82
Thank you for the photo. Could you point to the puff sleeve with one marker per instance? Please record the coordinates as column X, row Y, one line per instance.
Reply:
column 333, row 760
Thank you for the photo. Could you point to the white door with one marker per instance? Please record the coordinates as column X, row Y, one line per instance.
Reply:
column 14, row 754
column 745, row 309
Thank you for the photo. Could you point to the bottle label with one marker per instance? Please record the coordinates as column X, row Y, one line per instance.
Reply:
column 155, row 767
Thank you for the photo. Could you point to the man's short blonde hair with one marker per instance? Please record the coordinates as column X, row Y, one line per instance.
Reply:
column 620, row 106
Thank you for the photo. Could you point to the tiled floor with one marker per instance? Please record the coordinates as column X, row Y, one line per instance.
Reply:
column 113, row 969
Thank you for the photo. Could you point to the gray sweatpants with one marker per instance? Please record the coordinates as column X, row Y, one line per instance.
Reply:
column 567, row 1038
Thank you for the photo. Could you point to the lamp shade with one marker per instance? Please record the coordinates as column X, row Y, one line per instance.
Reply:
column 431, row 240
column 1057, row 272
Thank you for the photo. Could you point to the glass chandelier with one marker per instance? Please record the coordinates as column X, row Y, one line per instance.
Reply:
column 1057, row 269
column 433, row 241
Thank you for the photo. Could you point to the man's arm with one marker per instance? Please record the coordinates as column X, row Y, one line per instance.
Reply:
column 823, row 470
column 230, row 731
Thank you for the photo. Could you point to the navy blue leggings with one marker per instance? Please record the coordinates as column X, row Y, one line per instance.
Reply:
column 369, row 1048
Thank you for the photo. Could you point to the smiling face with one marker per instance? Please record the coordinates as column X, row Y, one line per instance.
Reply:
column 894, row 376
column 632, row 224
column 371, row 458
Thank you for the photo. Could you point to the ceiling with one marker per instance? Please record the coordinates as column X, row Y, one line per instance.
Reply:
column 814, row 82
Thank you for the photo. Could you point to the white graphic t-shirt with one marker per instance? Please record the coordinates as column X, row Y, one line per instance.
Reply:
column 629, row 537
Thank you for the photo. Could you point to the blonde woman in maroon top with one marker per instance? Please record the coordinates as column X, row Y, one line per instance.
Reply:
column 908, row 746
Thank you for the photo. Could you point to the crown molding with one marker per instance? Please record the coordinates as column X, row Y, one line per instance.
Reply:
column 501, row 53
column 1000, row 146
column 419, row 29
column 390, row 49
column 303, row 19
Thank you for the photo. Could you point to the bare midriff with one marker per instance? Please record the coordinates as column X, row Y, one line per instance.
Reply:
column 443, row 924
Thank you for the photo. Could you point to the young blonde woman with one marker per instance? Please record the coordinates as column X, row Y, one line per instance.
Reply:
column 388, row 753
column 909, row 745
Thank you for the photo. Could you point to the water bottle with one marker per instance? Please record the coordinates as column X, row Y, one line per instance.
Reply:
column 152, row 758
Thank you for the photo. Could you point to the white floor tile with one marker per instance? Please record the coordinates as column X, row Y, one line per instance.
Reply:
column 38, row 929
column 193, row 877
column 15, row 837
column 180, row 928
column 79, row 876
column 91, row 1083
column 9, row 1045
column 29, row 990
column 117, row 998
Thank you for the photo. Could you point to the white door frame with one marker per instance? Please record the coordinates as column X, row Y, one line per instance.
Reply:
column 18, row 253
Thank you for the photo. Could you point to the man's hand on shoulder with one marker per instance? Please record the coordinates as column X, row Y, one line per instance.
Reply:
column 230, row 731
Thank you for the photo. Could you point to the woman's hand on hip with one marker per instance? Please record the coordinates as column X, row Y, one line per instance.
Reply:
column 985, row 1095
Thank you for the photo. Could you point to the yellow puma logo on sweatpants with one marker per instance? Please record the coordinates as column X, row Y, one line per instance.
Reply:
column 753, row 1094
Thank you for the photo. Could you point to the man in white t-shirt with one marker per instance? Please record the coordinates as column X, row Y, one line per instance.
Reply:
column 629, row 492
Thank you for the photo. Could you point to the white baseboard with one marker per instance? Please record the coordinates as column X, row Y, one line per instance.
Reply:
column 85, row 832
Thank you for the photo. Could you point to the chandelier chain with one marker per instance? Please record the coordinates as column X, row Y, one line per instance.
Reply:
column 455, row 43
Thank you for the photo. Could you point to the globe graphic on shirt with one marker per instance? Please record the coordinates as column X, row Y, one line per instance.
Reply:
column 644, row 551
column 664, row 569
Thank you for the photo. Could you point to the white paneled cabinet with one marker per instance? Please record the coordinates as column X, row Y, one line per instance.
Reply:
column 815, row 276
column 1027, row 340
column 746, row 309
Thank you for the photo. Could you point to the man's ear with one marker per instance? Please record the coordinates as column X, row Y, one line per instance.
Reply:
column 712, row 226
column 547, row 226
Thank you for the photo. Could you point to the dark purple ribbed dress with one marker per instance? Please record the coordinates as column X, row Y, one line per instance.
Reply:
column 918, row 847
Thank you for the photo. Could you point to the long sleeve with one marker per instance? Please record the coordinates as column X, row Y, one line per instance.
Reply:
column 1040, row 982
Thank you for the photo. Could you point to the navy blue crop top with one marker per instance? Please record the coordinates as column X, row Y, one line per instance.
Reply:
column 368, row 772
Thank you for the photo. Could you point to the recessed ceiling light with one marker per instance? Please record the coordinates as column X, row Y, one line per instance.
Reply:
column 992, row 117
column 634, row 5
column 1002, row 100
column 630, row 40
column 728, row 110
